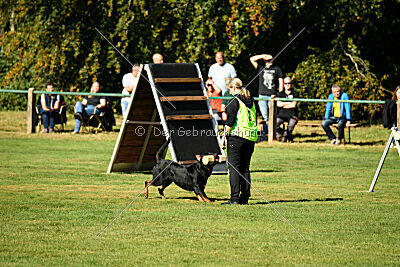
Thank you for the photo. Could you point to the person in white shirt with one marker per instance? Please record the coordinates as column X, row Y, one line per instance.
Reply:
column 221, row 70
column 129, row 82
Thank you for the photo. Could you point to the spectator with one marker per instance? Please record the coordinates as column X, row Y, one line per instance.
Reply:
column 158, row 58
column 221, row 70
column 270, row 78
column 49, row 108
column 241, row 129
column 88, row 106
column 336, row 113
column 389, row 114
column 129, row 82
column 287, row 111
column 213, row 90
column 225, row 101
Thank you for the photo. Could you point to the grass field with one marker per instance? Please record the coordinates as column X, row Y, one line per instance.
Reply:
column 55, row 197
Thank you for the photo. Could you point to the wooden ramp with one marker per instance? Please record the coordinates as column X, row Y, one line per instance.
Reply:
column 169, row 101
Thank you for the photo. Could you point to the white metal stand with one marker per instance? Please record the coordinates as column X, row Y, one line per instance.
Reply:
column 394, row 135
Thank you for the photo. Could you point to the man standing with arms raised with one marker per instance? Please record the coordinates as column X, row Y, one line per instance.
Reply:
column 221, row 70
column 270, row 80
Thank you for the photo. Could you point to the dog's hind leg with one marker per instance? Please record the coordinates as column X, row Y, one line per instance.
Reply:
column 163, row 186
column 146, row 189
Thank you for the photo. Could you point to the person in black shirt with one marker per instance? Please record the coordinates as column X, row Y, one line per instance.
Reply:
column 270, row 80
column 49, row 108
column 89, row 105
column 287, row 111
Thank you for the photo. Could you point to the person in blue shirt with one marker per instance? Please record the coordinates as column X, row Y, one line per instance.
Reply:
column 336, row 112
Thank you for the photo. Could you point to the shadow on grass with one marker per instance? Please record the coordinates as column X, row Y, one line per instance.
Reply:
column 195, row 198
column 301, row 135
column 255, row 171
column 370, row 143
column 299, row 200
column 149, row 172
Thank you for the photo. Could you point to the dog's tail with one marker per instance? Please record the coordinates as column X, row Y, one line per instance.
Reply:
column 160, row 152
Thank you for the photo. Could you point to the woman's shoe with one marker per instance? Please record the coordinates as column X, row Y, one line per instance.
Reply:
column 230, row 203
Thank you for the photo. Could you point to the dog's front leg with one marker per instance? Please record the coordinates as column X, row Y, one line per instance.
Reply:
column 200, row 198
column 205, row 198
column 201, row 195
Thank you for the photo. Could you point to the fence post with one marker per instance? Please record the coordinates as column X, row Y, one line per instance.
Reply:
column 272, row 120
column 31, row 110
column 398, row 113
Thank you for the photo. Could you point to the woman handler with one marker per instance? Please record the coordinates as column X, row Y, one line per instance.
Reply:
column 241, row 132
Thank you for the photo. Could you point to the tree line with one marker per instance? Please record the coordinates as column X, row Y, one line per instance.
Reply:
column 345, row 42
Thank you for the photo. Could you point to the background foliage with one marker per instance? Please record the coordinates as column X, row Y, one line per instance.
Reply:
column 346, row 42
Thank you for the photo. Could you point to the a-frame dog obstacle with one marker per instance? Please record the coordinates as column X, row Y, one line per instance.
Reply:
column 394, row 139
column 169, row 101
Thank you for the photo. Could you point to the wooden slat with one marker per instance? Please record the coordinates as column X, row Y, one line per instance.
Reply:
column 143, row 122
column 136, row 142
column 177, row 80
column 183, row 98
column 188, row 117
column 185, row 162
column 317, row 124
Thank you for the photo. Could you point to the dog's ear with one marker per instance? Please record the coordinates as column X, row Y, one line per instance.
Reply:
column 198, row 157
column 215, row 156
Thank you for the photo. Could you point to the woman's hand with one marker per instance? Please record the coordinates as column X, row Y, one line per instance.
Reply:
column 224, row 116
column 223, row 142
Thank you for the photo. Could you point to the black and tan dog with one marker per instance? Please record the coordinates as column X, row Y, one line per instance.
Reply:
column 192, row 177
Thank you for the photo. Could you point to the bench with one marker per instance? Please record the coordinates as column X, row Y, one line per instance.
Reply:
column 318, row 124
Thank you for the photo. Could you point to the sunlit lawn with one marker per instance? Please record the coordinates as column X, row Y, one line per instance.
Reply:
column 55, row 197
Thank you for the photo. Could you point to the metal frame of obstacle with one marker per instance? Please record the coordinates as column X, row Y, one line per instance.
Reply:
column 135, row 153
column 394, row 135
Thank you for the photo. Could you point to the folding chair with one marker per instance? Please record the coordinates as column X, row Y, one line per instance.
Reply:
column 103, row 121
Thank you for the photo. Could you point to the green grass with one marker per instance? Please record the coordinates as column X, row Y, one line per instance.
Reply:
column 55, row 197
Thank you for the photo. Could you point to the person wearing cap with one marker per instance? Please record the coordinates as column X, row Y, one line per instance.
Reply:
column 129, row 82
column 241, row 134
column 270, row 80
column 287, row 110
column 336, row 112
